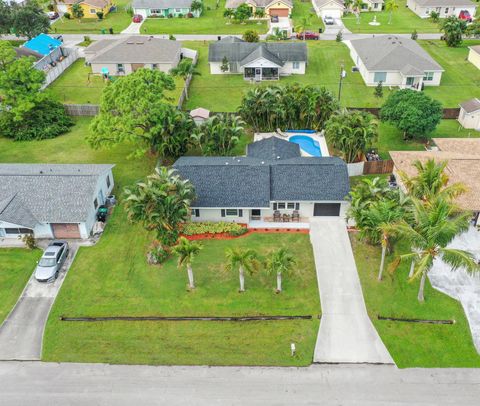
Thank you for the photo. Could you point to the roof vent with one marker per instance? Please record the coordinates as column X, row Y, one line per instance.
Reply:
column 226, row 163
column 263, row 162
column 278, row 156
column 41, row 172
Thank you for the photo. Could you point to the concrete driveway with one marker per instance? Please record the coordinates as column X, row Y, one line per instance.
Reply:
column 21, row 333
column 346, row 334
column 133, row 28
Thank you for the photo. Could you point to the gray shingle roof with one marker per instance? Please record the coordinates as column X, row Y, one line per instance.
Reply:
column 135, row 49
column 322, row 3
column 238, row 51
column 391, row 53
column 261, row 52
column 22, row 51
column 471, row 105
column 161, row 4
column 273, row 148
column 34, row 193
column 258, row 3
column 448, row 3
column 254, row 182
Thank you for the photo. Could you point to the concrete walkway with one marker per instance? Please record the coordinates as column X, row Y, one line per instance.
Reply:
column 133, row 28
column 21, row 334
column 346, row 333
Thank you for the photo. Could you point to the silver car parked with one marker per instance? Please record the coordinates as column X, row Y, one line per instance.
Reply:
column 52, row 260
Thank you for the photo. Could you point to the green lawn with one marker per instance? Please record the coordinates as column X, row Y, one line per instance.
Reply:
column 77, row 85
column 413, row 344
column 403, row 21
column 113, row 278
column 225, row 92
column 210, row 22
column 16, row 266
column 305, row 9
column 118, row 20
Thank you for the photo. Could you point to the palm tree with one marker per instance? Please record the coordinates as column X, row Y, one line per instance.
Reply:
column 243, row 260
column 259, row 13
column 433, row 227
column 186, row 251
column 357, row 6
column 302, row 26
column 185, row 69
column 229, row 13
column 391, row 6
column 77, row 11
column 279, row 262
column 196, row 6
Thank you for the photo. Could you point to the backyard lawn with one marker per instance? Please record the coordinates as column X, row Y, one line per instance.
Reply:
column 77, row 85
column 114, row 279
column 16, row 266
column 413, row 344
column 211, row 21
column 118, row 20
column 403, row 21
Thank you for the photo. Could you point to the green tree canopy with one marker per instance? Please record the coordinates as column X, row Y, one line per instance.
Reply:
column 242, row 13
column 29, row 20
column 412, row 112
column 251, row 36
column 453, row 29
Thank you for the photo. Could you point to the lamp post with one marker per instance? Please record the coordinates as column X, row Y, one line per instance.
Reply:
column 343, row 73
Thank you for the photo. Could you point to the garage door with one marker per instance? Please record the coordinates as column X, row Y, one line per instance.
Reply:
column 326, row 209
column 281, row 12
column 65, row 230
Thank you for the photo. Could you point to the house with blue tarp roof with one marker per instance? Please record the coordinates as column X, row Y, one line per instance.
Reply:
column 50, row 48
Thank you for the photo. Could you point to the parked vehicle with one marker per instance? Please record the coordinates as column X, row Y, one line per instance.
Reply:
column 274, row 19
column 308, row 35
column 137, row 18
column 51, row 262
column 465, row 16
column 328, row 20
column 52, row 15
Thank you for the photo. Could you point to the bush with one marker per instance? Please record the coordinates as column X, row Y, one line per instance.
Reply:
column 46, row 120
column 67, row 15
column 189, row 15
column 130, row 11
column 170, row 15
column 251, row 36
column 100, row 15
column 180, row 15
column 51, row 7
column 86, row 40
column 194, row 228
column 158, row 253
column 29, row 241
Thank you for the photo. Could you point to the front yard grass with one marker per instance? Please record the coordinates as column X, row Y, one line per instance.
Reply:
column 413, row 344
column 16, row 266
column 113, row 278
column 211, row 21
column 403, row 21
column 305, row 9
column 117, row 20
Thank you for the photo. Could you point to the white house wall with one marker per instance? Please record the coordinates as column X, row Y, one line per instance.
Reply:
column 444, row 11
column 286, row 69
column 469, row 121
column 101, row 189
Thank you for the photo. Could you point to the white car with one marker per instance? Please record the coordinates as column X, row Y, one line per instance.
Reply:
column 328, row 20
column 52, row 260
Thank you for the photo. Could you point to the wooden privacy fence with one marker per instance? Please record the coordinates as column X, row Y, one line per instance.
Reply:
column 86, row 110
column 377, row 167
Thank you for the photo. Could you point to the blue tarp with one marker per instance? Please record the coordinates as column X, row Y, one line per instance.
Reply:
column 43, row 44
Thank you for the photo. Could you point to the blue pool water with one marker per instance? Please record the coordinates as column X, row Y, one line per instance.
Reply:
column 307, row 144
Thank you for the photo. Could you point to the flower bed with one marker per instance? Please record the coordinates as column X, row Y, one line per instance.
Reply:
column 213, row 230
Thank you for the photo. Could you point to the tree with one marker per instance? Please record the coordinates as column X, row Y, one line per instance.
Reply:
column 378, row 90
column 453, row 29
column 6, row 18
column 473, row 29
column 339, row 36
column 351, row 132
column 186, row 251
column 160, row 203
column 241, row 260
column 28, row 20
column 259, row 13
column 225, row 66
column 433, row 228
column 100, row 15
column 242, row 13
column 251, row 36
column 184, row 69
column 77, row 11
column 279, row 262
column 434, row 16
column 390, row 7
column 229, row 13
column 302, row 26
column 135, row 109
column 196, row 7
column 357, row 6
column 412, row 112
column 414, row 35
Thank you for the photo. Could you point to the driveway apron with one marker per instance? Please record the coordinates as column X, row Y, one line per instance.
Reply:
column 346, row 334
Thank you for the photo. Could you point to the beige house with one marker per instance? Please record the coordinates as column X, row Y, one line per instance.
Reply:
column 469, row 116
column 474, row 55
column 279, row 8
column 463, row 157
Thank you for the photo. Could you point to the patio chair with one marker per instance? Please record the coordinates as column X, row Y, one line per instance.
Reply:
column 277, row 217
column 286, row 218
column 296, row 216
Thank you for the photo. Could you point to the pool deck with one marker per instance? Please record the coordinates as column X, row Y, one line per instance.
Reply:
column 318, row 137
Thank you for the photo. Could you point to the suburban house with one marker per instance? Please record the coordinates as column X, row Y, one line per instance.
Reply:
column 272, row 180
column 123, row 56
column 90, row 7
column 279, row 8
column 445, row 8
column 329, row 8
column 469, row 116
column 394, row 61
column 163, row 8
column 463, row 157
column 373, row 5
column 474, row 55
column 51, row 200
column 257, row 60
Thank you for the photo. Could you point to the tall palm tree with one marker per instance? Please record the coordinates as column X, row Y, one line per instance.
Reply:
column 186, row 251
column 185, row 69
column 433, row 227
column 391, row 6
column 243, row 260
column 302, row 26
column 357, row 6
column 279, row 262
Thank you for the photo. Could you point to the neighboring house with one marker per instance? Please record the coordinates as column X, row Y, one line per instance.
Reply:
column 280, row 8
column 46, row 50
column 444, row 8
column 257, row 60
column 469, row 116
column 272, row 176
column 51, row 200
column 126, row 55
column 394, row 61
column 373, row 5
column 329, row 8
column 463, row 157
column 163, row 8
column 474, row 55
column 90, row 7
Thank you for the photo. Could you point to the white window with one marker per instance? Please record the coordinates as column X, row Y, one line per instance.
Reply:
column 428, row 76
column 93, row 11
column 178, row 10
column 155, row 11
column 281, row 205
column 380, row 77
column 286, row 205
column 290, row 206
column 154, row 65
column 446, row 10
column 120, row 67
column 296, row 65
column 231, row 212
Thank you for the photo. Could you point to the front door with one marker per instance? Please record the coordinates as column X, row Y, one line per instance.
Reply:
column 410, row 80
column 258, row 74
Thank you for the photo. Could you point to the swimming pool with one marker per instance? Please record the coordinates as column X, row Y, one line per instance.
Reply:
column 307, row 144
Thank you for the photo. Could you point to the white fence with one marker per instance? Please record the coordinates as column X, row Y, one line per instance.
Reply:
column 55, row 71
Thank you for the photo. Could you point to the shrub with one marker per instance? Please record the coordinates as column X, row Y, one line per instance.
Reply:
column 130, row 11
column 170, row 15
column 189, row 15
column 339, row 36
column 171, row 37
column 158, row 253
column 251, row 36
column 67, row 15
column 194, row 228
column 87, row 40
column 100, row 15
column 414, row 35
column 180, row 15
column 51, row 7
column 29, row 241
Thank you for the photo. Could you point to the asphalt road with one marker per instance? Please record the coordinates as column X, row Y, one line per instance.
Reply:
column 35, row 383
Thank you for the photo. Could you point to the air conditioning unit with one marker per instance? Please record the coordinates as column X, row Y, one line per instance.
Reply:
column 355, row 69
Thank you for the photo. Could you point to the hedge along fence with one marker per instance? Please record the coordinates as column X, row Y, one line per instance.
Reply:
column 186, row 318
column 448, row 113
